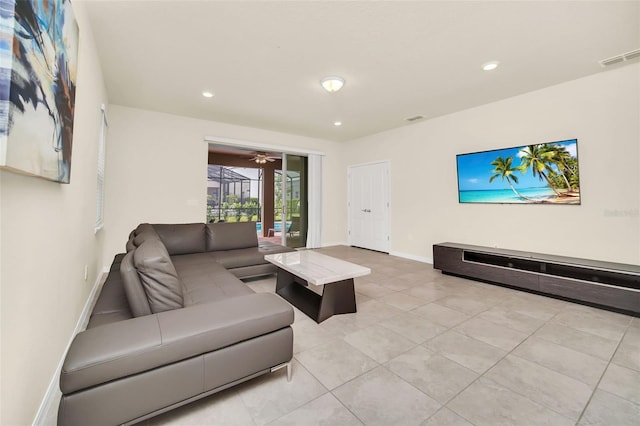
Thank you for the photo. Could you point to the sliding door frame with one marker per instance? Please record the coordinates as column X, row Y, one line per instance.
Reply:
column 285, row 150
column 257, row 146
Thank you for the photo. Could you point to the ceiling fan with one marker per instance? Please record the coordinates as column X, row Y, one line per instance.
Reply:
column 263, row 157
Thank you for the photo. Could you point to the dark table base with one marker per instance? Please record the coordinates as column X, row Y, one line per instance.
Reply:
column 337, row 298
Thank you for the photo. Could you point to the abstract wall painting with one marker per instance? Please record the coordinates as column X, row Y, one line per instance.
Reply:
column 38, row 63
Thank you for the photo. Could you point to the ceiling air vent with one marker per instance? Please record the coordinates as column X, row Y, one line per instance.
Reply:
column 414, row 118
column 628, row 56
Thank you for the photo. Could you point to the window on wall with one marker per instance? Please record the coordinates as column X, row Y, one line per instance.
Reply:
column 101, row 159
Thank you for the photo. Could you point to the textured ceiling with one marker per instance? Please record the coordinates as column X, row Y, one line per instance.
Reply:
column 264, row 59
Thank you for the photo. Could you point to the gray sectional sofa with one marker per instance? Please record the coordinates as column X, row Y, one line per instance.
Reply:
column 174, row 323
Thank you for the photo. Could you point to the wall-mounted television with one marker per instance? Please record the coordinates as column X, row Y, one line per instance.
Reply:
column 545, row 173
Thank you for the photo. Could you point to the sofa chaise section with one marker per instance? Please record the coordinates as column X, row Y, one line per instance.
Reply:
column 206, row 343
column 142, row 355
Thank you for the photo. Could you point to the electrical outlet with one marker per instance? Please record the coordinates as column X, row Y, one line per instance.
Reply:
column 86, row 272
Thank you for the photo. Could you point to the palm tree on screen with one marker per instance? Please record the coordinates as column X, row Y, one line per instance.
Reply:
column 539, row 158
column 503, row 169
column 562, row 159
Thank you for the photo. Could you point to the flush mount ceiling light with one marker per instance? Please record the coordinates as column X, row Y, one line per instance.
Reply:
column 332, row 83
column 207, row 94
column 490, row 66
column 337, row 123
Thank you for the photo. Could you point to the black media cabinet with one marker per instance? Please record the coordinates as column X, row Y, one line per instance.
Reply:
column 608, row 285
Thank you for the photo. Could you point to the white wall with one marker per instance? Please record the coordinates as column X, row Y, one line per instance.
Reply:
column 46, row 239
column 157, row 171
column 602, row 111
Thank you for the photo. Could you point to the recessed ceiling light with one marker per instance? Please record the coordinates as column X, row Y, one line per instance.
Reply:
column 337, row 123
column 332, row 83
column 489, row 66
column 207, row 94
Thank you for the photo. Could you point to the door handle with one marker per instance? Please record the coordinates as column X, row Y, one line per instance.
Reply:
column 366, row 210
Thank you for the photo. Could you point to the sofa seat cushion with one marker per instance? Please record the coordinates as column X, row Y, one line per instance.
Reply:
column 104, row 318
column 112, row 296
column 267, row 247
column 124, row 348
column 238, row 258
column 209, row 283
column 189, row 261
column 112, row 304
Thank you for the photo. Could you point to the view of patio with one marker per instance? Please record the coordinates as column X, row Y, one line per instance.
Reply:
column 236, row 194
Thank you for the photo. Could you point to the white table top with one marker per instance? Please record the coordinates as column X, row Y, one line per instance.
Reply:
column 316, row 268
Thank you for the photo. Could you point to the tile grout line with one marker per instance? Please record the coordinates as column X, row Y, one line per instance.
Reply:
column 445, row 405
column 480, row 375
column 496, row 363
column 610, row 361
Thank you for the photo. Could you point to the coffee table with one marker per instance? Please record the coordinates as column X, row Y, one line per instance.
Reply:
column 299, row 270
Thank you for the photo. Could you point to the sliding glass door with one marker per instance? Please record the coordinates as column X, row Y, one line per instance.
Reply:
column 292, row 200
column 233, row 194
column 273, row 193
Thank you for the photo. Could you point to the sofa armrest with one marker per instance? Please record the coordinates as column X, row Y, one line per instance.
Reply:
column 120, row 349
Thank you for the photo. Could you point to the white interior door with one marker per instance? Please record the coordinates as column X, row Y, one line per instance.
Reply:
column 368, row 206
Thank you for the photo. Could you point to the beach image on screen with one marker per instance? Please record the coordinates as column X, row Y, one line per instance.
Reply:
column 535, row 174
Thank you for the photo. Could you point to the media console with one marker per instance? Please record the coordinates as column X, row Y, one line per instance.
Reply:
column 608, row 285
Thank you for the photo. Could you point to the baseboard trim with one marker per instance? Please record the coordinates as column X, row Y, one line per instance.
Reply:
column 412, row 257
column 53, row 393
column 330, row 244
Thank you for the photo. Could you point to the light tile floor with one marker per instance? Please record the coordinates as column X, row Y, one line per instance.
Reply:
column 431, row 349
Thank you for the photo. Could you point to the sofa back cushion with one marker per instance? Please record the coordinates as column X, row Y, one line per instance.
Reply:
column 143, row 227
column 130, row 245
column 136, row 296
column 158, row 276
column 230, row 236
column 143, row 232
column 182, row 238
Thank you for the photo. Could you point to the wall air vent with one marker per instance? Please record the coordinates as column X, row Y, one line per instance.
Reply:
column 632, row 55
column 414, row 118
column 612, row 61
column 624, row 57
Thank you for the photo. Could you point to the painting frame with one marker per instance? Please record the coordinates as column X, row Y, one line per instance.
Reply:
column 541, row 173
column 38, row 71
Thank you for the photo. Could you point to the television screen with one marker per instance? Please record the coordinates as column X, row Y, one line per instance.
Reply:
column 534, row 174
